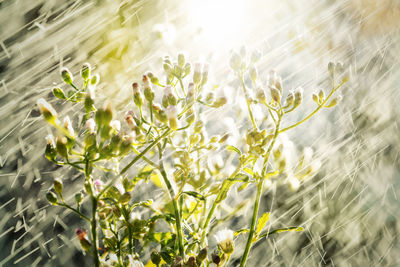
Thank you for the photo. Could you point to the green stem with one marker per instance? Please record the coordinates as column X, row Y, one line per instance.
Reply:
column 248, row 103
column 315, row 111
column 260, row 184
column 176, row 208
column 253, row 223
column 145, row 151
column 94, row 232
column 75, row 211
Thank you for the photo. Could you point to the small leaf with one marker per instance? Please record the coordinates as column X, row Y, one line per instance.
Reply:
column 281, row 230
column 194, row 194
column 248, row 171
column 242, row 187
column 262, row 222
column 234, row 149
column 241, row 231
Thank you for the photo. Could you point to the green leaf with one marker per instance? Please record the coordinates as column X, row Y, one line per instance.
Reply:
column 161, row 237
column 234, row 149
column 262, row 222
column 241, row 231
column 194, row 194
column 242, row 187
column 248, row 171
column 281, row 230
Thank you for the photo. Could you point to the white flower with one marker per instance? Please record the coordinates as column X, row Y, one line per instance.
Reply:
column 68, row 125
column 90, row 125
column 50, row 140
column 116, row 125
column 224, row 239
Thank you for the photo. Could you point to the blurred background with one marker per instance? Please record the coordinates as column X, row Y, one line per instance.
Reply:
column 350, row 208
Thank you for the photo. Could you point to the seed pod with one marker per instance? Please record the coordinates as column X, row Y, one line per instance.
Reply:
column 321, row 94
column 66, row 76
column 220, row 101
column 95, row 79
column 59, row 93
column 278, row 84
column 85, row 71
column 191, row 262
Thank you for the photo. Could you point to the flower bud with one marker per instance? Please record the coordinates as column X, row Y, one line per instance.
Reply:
column 253, row 74
column 85, row 71
column 50, row 152
column 137, row 98
column 334, row 101
column 191, row 262
column 88, row 188
column 190, row 116
column 116, row 125
column 48, row 112
column 235, row 61
column 52, row 198
column 278, row 84
column 201, row 256
column 66, row 76
column 272, row 76
column 59, row 93
column 85, row 244
column 90, row 125
column 215, row 259
column 204, row 76
column 68, row 125
column 198, row 126
column 275, row 94
column 220, row 101
column 98, row 185
column 339, row 67
column 289, row 99
column 255, row 56
column 187, row 68
column 298, row 96
column 61, row 146
column 181, row 60
column 148, row 92
column 126, row 144
column 321, row 95
column 124, row 198
column 197, row 73
column 107, row 114
column 260, row 96
column 171, row 115
column 190, row 94
column 160, row 114
column 95, row 79
column 315, row 98
column 58, row 186
column 78, row 198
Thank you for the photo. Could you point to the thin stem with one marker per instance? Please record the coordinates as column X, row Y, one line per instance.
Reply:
column 260, row 184
column 253, row 223
column 145, row 151
column 75, row 211
column 176, row 207
column 248, row 103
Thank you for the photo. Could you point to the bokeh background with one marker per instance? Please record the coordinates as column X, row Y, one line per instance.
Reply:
column 350, row 208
